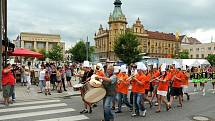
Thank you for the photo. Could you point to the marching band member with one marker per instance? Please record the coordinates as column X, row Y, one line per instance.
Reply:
column 99, row 70
column 139, row 90
column 176, row 85
column 122, row 89
column 133, row 72
column 203, row 80
column 109, row 83
column 185, row 82
column 149, row 75
column 118, row 74
column 88, row 72
column 163, row 88
column 195, row 78
column 156, row 73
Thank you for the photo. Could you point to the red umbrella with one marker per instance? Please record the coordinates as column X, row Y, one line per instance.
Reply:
column 25, row 52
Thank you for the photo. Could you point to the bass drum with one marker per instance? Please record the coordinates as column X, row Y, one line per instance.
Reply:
column 92, row 94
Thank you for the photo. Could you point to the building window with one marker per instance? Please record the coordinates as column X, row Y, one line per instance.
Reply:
column 214, row 48
column 28, row 45
column 209, row 48
column 191, row 49
column 203, row 56
column 191, row 56
column 197, row 55
column 197, row 49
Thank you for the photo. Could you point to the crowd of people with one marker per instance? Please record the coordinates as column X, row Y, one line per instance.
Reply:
column 130, row 85
column 152, row 83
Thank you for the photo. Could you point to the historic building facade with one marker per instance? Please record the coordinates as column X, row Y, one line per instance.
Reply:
column 38, row 41
column 153, row 44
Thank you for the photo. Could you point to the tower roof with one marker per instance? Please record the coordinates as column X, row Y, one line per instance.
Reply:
column 117, row 13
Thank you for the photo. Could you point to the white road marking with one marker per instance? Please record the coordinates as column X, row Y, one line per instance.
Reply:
column 38, row 113
column 70, row 118
column 34, row 102
column 32, row 107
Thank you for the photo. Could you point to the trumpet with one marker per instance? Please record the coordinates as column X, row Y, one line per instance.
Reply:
column 156, row 78
column 131, row 77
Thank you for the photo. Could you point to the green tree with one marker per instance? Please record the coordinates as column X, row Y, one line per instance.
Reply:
column 184, row 55
column 56, row 53
column 79, row 52
column 211, row 59
column 126, row 48
column 44, row 53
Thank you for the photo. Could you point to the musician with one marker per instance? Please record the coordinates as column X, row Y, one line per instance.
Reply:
column 176, row 85
column 88, row 72
column 185, row 82
column 203, row 80
column 163, row 88
column 99, row 70
column 122, row 89
column 109, row 83
column 148, row 74
column 156, row 74
column 139, row 90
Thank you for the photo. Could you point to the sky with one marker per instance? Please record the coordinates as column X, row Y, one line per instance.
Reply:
column 77, row 19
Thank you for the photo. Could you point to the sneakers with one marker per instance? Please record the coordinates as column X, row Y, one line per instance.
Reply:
column 84, row 111
column 156, row 104
column 118, row 111
column 144, row 113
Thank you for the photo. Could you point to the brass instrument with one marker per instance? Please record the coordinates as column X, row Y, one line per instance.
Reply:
column 156, row 78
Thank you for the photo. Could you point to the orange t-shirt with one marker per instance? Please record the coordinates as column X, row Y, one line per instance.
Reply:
column 136, row 87
column 147, row 81
column 184, row 79
column 123, row 85
column 163, row 86
column 100, row 73
column 173, row 72
column 177, row 83
column 156, row 74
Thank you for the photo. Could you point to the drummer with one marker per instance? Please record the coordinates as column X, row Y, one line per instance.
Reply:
column 88, row 72
column 109, row 83
column 99, row 70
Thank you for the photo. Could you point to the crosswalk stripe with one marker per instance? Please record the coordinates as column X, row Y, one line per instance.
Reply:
column 38, row 113
column 70, row 118
column 32, row 107
column 34, row 102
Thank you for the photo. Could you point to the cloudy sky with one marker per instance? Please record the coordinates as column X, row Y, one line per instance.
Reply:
column 77, row 19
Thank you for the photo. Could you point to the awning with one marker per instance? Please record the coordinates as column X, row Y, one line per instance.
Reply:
column 26, row 53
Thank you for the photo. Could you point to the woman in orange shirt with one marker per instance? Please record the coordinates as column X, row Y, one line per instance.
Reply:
column 185, row 82
column 163, row 86
column 139, row 90
column 122, row 89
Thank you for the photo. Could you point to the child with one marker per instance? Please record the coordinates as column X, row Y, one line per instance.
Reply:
column 28, row 78
column 47, row 79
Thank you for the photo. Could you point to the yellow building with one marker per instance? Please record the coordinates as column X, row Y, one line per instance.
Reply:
column 38, row 41
column 153, row 44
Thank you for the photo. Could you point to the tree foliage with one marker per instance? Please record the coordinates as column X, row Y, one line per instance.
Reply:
column 211, row 59
column 79, row 52
column 184, row 55
column 44, row 53
column 56, row 53
column 126, row 48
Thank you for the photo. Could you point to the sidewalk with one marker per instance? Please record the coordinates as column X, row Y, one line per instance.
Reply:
column 22, row 94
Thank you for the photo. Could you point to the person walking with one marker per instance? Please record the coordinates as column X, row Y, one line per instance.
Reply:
column 47, row 79
column 42, row 79
column 8, row 82
column 68, row 75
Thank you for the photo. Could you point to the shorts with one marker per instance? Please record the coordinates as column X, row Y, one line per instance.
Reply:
column 48, row 85
column 151, row 87
column 162, row 93
column 53, row 79
column 185, row 89
column 7, row 90
column 176, row 91
column 68, row 78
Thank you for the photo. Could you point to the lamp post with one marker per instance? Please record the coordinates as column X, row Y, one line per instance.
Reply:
column 0, row 44
column 87, row 49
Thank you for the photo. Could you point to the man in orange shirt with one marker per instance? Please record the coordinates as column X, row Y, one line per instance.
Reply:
column 122, row 89
column 139, row 90
column 156, row 74
column 176, row 85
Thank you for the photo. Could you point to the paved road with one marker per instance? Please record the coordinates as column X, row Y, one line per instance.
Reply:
column 67, row 109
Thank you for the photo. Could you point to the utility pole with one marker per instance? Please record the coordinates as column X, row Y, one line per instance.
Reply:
column 87, row 48
column 5, row 30
column 0, row 44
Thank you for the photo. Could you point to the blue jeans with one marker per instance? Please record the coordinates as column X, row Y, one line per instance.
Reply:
column 13, row 95
column 122, row 98
column 42, row 84
column 138, row 98
column 107, row 102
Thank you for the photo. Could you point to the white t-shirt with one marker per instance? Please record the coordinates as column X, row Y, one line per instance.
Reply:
column 42, row 74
